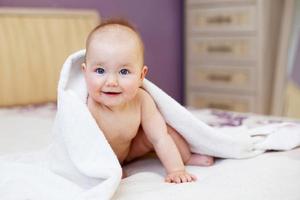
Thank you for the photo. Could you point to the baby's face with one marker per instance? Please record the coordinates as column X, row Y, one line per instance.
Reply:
column 114, row 67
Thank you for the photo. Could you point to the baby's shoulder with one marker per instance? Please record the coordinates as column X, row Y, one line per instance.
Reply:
column 144, row 95
column 147, row 101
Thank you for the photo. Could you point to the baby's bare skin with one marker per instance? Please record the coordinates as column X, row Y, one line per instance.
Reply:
column 127, row 115
column 129, row 141
column 120, row 127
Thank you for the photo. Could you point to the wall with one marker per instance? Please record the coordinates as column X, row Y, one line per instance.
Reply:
column 292, row 94
column 159, row 22
column 294, row 50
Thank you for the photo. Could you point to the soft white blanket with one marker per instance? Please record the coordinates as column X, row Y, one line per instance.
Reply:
column 80, row 163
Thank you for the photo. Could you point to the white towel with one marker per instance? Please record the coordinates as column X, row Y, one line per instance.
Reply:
column 80, row 163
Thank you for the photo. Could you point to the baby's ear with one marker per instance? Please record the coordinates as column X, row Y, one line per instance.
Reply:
column 83, row 67
column 144, row 72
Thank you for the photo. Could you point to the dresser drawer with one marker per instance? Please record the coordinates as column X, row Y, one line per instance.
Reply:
column 222, row 77
column 221, row 101
column 220, row 19
column 216, row 1
column 221, row 48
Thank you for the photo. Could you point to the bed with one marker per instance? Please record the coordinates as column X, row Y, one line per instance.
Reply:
column 28, row 109
column 273, row 175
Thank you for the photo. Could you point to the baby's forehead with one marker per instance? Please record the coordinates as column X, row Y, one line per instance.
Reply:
column 115, row 32
column 114, row 35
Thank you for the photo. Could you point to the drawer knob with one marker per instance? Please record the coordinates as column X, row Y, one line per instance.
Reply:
column 219, row 77
column 219, row 20
column 220, row 48
column 220, row 106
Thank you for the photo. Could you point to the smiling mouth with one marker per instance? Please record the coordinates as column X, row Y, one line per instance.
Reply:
column 112, row 93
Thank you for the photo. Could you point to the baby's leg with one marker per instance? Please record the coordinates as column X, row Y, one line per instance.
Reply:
column 186, row 155
column 140, row 146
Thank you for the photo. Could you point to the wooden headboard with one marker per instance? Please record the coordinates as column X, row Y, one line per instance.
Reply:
column 34, row 45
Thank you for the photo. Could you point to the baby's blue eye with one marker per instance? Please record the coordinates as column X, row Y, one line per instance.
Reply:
column 100, row 71
column 124, row 71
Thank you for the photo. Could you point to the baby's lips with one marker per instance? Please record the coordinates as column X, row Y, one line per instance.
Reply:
column 112, row 93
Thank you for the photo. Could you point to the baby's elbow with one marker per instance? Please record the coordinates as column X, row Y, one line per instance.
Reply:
column 155, row 128
column 153, row 138
column 157, row 140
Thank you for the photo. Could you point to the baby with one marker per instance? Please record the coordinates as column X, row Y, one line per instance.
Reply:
column 114, row 71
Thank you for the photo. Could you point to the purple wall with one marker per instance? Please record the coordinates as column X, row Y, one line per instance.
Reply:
column 159, row 22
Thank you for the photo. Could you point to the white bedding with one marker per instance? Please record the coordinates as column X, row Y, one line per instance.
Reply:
column 273, row 175
column 25, row 129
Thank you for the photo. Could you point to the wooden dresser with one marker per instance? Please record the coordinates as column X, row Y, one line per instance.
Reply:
column 230, row 49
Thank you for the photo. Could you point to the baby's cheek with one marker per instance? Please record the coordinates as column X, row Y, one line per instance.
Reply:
column 131, row 90
column 91, row 86
column 94, row 83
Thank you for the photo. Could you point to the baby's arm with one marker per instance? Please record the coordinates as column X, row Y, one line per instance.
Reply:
column 156, row 131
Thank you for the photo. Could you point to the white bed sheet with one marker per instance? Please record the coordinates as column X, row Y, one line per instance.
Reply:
column 25, row 129
column 270, row 176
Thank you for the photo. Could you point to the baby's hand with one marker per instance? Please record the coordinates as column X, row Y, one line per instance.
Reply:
column 180, row 177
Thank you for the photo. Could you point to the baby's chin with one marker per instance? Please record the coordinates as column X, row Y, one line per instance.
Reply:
column 114, row 99
column 117, row 103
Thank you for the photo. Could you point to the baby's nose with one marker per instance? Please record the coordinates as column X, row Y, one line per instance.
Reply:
column 112, row 80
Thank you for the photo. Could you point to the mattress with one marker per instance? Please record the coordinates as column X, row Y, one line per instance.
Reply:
column 272, row 175
column 25, row 129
